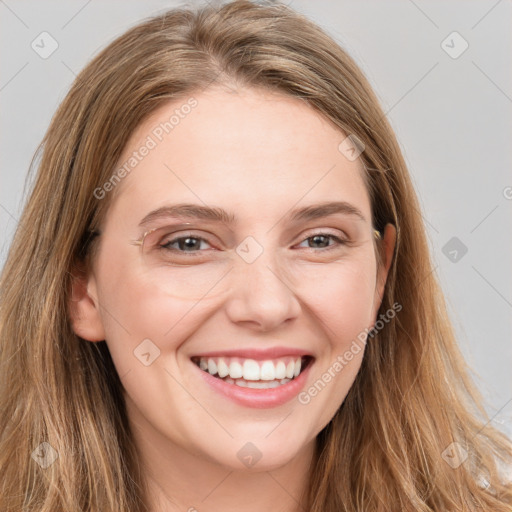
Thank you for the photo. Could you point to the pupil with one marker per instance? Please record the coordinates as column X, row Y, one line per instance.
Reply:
column 185, row 243
column 316, row 239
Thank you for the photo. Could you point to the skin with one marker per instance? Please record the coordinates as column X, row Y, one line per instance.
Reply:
column 258, row 155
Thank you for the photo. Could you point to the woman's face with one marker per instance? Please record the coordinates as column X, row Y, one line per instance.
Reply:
column 249, row 296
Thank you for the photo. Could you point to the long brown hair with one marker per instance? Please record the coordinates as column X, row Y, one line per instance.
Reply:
column 412, row 397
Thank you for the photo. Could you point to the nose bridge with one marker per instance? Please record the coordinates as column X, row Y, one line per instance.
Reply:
column 266, row 275
column 261, row 292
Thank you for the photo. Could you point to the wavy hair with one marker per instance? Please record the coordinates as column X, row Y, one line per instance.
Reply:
column 412, row 397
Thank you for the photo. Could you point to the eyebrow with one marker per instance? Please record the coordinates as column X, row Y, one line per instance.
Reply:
column 214, row 214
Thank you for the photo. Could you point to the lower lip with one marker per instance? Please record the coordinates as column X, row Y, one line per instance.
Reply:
column 258, row 398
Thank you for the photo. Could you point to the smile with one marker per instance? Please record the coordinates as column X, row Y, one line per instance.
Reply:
column 251, row 373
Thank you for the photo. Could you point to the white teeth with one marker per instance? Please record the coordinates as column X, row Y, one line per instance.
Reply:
column 251, row 370
column 235, row 370
column 222, row 368
column 280, row 370
column 257, row 385
column 263, row 384
column 267, row 371
column 290, row 370
column 297, row 367
column 212, row 367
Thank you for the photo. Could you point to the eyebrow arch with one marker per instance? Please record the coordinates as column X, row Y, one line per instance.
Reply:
column 196, row 211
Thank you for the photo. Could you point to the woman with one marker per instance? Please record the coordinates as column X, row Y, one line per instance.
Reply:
column 220, row 294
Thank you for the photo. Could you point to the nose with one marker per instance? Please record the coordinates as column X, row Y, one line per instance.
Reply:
column 261, row 296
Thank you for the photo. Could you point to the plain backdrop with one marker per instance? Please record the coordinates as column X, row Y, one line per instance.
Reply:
column 442, row 71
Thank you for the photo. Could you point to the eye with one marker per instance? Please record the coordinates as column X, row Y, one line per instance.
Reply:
column 323, row 240
column 191, row 244
column 185, row 244
column 196, row 243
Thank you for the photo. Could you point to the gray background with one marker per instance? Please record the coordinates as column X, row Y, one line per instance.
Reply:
column 452, row 117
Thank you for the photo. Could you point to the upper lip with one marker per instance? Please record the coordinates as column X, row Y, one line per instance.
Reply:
column 258, row 354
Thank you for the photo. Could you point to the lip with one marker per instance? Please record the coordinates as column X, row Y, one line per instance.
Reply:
column 256, row 354
column 258, row 398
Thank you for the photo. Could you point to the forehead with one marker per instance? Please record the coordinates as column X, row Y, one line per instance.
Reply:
column 249, row 151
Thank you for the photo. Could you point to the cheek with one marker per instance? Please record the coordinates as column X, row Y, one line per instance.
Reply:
column 341, row 295
column 144, row 329
column 135, row 309
column 341, row 301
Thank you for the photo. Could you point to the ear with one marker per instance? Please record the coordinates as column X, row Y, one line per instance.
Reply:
column 84, row 308
column 387, row 248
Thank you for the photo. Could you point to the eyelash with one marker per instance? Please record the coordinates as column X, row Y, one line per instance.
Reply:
column 339, row 241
